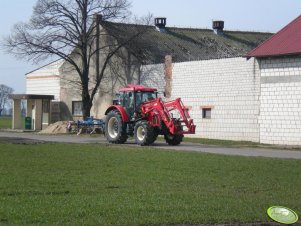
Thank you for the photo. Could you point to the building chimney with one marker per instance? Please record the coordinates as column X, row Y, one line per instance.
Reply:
column 168, row 76
column 97, row 18
column 160, row 23
column 218, row 27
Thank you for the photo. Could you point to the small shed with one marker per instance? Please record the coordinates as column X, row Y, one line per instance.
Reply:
column 37, row 110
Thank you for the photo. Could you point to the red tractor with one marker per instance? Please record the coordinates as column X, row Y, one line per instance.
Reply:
column 140, row 113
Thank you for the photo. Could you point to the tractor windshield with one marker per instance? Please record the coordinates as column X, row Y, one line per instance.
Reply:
column 144, row 96
column 126, row 99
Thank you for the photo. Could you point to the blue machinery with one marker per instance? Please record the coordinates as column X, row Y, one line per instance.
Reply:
column 90, row 125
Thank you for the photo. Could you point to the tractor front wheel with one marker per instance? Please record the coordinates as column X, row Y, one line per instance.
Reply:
column 144, row 133
column 115, row 128
column 175, row 139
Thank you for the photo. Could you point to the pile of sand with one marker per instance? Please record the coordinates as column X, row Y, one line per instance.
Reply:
column 56, row 128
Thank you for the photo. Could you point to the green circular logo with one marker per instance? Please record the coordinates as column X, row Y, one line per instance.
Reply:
column 282, row 214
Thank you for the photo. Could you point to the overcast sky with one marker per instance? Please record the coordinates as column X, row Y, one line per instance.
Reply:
column 244, row 15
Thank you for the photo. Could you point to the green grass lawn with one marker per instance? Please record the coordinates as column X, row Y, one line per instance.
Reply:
column 5, row 122
column 64, row 184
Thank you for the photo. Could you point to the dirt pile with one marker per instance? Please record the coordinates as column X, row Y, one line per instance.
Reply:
column 56, row 128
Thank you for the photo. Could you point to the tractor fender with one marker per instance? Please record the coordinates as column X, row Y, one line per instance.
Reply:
column 124, row 115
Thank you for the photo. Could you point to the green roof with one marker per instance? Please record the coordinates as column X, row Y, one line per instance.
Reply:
column 185, row 44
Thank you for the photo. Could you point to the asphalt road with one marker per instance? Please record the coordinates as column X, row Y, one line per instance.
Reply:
column 252, row 152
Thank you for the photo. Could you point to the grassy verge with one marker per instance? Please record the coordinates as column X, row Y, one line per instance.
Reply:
column 60, row 184
column 5, row 122
column 239, row 144
column 222, row 142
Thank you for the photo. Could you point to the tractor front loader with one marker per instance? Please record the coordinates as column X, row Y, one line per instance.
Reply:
column 140, row 113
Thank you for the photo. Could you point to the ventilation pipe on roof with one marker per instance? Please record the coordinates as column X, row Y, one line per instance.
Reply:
column 97, row 17
column 218, row 27
column 160, row 23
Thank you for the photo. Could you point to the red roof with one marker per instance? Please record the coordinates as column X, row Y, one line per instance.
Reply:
column 287, row 41
column 131, row 87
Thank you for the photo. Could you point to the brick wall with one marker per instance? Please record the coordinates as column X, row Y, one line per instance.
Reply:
column 229, row 86
column 280, row 101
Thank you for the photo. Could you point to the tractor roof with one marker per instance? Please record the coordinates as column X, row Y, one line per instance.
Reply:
column 131, row 87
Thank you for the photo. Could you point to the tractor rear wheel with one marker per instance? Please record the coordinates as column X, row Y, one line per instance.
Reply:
column 144, row 133
column 175, row 139
column 115, row 128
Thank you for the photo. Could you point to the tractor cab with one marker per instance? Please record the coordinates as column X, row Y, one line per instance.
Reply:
column 133, row 96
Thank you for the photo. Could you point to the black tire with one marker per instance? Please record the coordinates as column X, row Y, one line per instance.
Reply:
column 115, row 128
column 144, row 133
column 173, row 139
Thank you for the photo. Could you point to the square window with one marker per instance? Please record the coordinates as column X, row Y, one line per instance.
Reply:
column 77, row 108
column 206, row 113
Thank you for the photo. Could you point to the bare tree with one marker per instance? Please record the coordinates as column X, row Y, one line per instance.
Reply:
column 5, row 91
column 69, row 30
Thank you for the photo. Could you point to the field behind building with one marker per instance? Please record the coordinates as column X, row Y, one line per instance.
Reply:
column 5, row 122
column 70, row 184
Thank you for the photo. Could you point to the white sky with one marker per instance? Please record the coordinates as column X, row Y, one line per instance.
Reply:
column 245, row 15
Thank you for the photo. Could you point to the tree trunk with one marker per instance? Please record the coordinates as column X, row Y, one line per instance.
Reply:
column 86, row 104
column 86, row 98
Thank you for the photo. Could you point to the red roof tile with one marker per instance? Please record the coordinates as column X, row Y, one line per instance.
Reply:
column 285, row 42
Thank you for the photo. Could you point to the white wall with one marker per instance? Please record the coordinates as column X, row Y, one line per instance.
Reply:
column 280, row 117
column 230, row 86
column 45, row 80
column 44, row 86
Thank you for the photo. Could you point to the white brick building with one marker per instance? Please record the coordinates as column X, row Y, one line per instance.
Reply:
column 252, row 100
column 226, row 89
column 280, row 118
column 280, row 87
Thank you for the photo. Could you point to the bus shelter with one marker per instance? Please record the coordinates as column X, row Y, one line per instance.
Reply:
column 37, row 111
